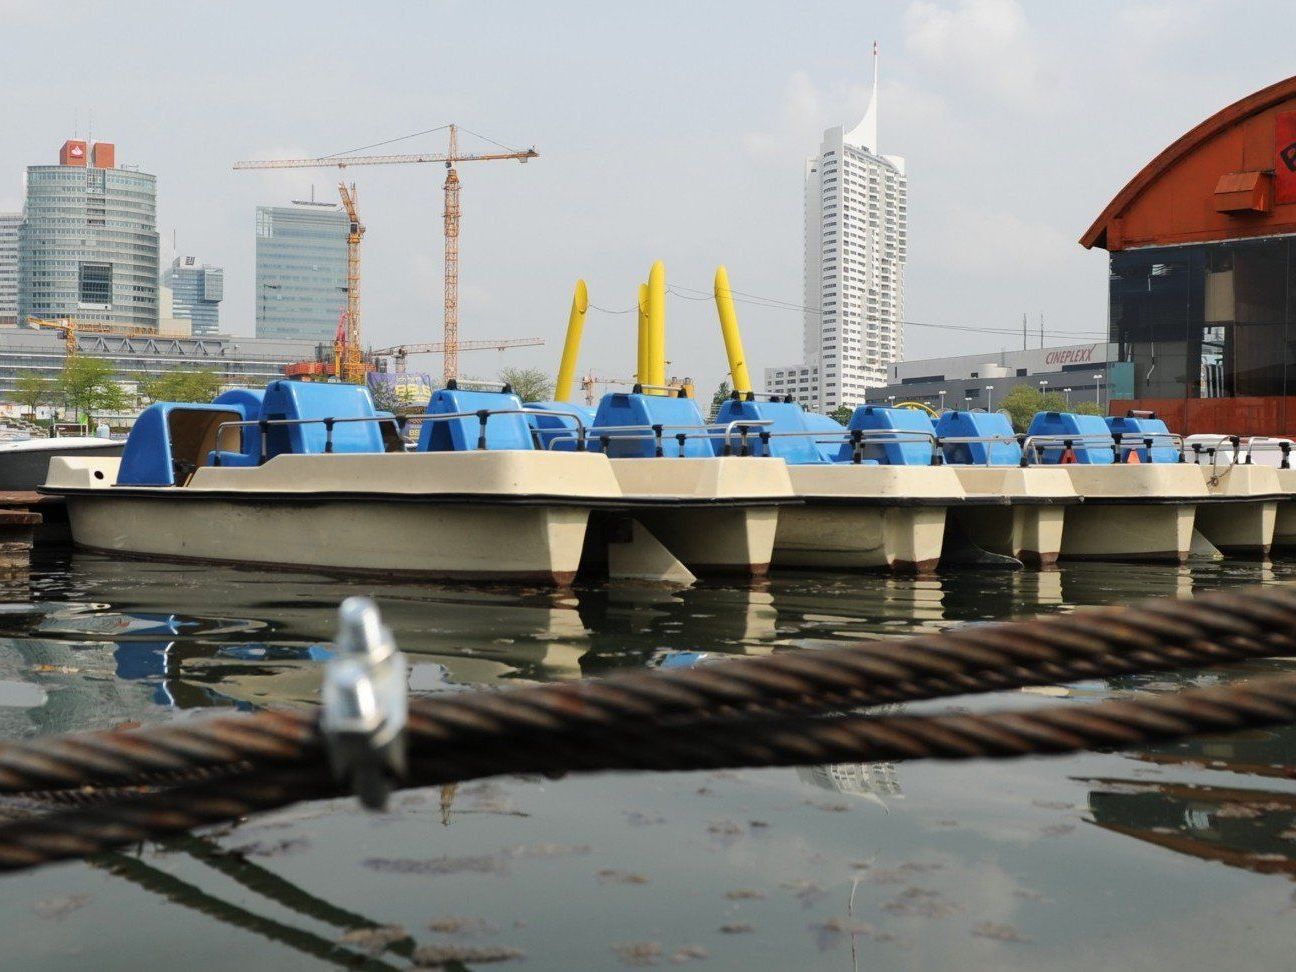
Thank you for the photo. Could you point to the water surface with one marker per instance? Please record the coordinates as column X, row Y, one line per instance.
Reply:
column 1179, row 856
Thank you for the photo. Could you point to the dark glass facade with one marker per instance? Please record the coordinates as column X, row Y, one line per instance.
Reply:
column 1212, row 320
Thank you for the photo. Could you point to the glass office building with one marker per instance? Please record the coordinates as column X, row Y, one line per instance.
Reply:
column 196, row 293
column 88, row 242
column 301, row 271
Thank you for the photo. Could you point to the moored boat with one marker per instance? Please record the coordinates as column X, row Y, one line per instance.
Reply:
column 24, row 463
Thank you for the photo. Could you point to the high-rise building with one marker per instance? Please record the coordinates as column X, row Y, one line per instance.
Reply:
column 9, row 223
column 88, row 244
column 301, row 270
column 196, row 293
column 856, row 216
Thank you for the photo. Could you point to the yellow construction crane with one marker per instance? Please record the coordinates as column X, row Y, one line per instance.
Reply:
column 349, row 365
column 71, row 329
column 401, row 351
column 451, row 214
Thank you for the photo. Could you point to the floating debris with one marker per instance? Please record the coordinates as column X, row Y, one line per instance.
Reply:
column 437, row 956
column 456, row 925
column 638, row 953
column 998, row 932
column 436, row 865
column 737, row 928
column 613, row 876
column 745, row 894
column 920, row 903
column 59, row 908
column 375, row 939
column 689, row 953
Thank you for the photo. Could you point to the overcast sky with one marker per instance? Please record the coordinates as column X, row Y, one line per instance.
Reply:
column 676, row 133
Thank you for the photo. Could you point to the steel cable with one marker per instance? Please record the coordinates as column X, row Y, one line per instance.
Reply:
column 1153, row 636
column 732, row 743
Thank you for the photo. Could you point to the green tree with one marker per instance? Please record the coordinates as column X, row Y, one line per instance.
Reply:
column 529, row 384
column 32, row 391
column 181, row 386
column 1024, row 401
column 88, row 385
column 721, row 396
column 841, row 414
column 1088, row 408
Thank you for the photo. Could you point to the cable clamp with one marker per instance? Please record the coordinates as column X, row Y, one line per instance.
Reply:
column 365, row 704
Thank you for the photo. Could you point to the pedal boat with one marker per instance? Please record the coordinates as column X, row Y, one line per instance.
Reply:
column 716, row 513
column 870, row 496
column 1252, row 492
column 982, row 450
column 1139, row 509
column 310, row 476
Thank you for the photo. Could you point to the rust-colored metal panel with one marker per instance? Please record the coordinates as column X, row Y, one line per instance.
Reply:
column 1267, row 415
column 1244, row 192
column 73, row 152
column 1173, row 198
column 104, row 155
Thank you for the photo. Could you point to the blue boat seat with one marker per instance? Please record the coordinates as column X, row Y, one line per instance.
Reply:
column 462, row 434
column 1091, row 441
column 556, row 426
column 890, row 445
column 317, row 401
column 978, row 425
column 680, row 416
column 798, row 449
column 170, row 440
column 1140, row 428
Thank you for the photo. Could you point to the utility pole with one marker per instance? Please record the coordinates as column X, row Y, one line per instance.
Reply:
column 1041, row 329
column 1023, row 332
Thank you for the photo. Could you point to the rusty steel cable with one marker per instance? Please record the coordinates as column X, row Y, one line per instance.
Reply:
column 731, row 743
column 1158, row 635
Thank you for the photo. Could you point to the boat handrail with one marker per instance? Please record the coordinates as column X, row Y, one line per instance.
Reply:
column 1117, row 442
column 1265, row 443
column 656, row 432
column 399, row 421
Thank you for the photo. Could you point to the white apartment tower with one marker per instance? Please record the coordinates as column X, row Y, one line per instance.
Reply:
column 856, row 216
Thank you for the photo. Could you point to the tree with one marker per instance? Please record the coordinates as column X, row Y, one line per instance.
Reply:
column 89, row 385
column 181, row 386
column 1024, row 401
column 720, row 397
column 32, row 391
column 841, row 414
column 529, row 384
column 1088, row 408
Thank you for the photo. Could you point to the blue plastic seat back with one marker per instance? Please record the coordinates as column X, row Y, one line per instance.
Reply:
column 1091, row 441
column 316, row 401
column 462, row 434
column 797, row 449
column 619, row 409
column 889, row 445
column 248, row 440
column 1133, row 429
column 169, row 431
column 978, row 425
column 557, row 429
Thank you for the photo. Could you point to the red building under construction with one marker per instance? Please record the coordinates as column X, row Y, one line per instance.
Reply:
column 1203, row 272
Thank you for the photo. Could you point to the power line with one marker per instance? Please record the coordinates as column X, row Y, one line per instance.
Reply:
column 390, row 141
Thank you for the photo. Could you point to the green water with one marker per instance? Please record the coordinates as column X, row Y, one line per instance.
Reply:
column 1181, row 857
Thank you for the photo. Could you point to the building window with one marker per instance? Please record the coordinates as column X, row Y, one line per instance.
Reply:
column 95, row 286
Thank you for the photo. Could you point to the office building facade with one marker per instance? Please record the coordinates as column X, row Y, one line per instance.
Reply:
column 9, row 223
column 88, row 242
column 301, row 270
column 196, row 294
column 856, row 245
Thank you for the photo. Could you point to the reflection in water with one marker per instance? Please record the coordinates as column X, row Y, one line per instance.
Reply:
column 1251, row 829
column 871, row 780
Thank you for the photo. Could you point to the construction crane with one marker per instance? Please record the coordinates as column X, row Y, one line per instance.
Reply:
column 401, row 351
column 589, row 380
column 451, row 214
column 350, row 365
column 71, row 329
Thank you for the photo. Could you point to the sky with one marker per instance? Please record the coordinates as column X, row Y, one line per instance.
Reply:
column 675, row 131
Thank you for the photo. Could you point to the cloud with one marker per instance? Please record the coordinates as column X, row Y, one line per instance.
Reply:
column 985, row 45
column 804, row 110
column 983, row 240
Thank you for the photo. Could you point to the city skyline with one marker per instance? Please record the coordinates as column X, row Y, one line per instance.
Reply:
column 698, row 166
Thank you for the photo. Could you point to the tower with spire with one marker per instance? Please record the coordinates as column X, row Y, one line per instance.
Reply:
column 856, row 216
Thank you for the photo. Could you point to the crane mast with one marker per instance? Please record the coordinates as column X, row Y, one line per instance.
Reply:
column 451, row 215
column 450, row 363
column 351, row 367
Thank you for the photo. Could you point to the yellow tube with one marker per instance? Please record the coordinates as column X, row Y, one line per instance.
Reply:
column 571, row 347
column 729, row 329
column 657, row 325
column 641, row 369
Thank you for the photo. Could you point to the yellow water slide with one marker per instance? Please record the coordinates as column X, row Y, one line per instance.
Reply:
column 571, row 346
column 729, row 329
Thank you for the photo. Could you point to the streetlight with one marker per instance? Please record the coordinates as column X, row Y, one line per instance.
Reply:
column 941, row 393
column 890, row 401
column 1098, row 390
column 967, row 403
column 1067, row 393
column 989, row 398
